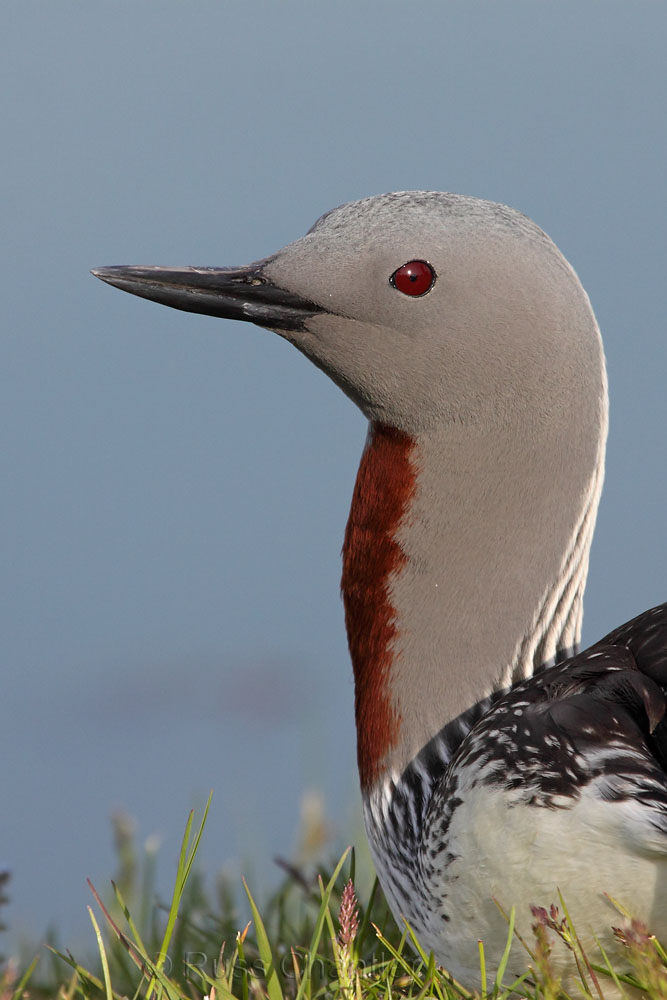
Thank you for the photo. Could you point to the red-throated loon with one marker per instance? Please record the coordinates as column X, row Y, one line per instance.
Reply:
column 496, row 762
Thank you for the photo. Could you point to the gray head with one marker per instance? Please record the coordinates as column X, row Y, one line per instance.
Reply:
column 504, row 329
column 466, row 338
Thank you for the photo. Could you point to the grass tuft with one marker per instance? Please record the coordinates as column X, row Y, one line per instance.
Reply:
column 312, row 939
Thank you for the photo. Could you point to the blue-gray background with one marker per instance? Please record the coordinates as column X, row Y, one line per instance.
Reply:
column 175, row 487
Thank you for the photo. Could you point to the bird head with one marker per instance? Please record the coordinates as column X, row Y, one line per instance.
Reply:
column 426, row 308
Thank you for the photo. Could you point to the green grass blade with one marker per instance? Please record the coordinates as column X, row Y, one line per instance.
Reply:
column 128, row 916
column 367, row 915
column 416, row 945
column 268, row 961
column 608, row 968
column 482, row 966
column 429, row 979
column 21, row 985
column 185, row 861
column 198, row 836
column 519, row 938
column 397, row 954
column 240, row 947
column 660, row 950
column 329, row 919
column 124, row 940
column 580, row 953
column 498, row 984
column 513, row 989
column 103, row 956
column 317, row 932
column 84, row 975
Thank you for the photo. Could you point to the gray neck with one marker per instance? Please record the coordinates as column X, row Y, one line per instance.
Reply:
column 494, row 544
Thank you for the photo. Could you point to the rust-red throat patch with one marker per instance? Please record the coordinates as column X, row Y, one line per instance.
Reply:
column 371, row 553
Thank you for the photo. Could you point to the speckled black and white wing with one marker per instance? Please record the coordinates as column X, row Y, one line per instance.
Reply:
column 561, row 785
column 596, row 719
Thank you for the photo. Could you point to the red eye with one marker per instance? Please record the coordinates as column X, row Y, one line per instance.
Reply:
column 414, row 278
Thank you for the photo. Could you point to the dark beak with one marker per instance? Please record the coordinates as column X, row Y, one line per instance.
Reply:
column 231, row 292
